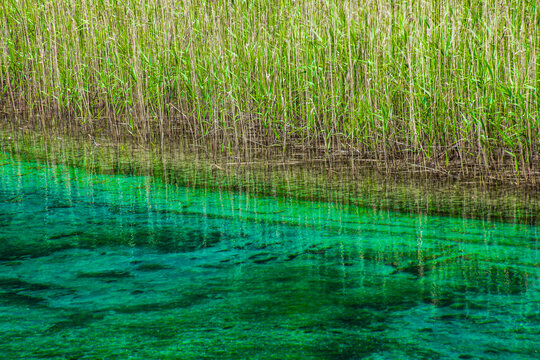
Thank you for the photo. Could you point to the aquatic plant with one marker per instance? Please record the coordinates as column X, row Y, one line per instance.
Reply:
column 455, row 82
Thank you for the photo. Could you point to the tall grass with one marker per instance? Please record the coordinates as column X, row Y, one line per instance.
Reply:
column 449, row 80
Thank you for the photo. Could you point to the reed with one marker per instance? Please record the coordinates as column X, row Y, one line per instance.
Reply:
column 452, row 81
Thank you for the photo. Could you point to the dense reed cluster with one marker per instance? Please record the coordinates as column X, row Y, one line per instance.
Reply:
column 446, row 80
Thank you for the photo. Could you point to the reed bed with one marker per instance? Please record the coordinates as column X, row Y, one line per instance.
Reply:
column 452, row 81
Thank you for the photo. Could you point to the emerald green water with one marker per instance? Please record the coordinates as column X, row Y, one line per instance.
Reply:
column 122, row 266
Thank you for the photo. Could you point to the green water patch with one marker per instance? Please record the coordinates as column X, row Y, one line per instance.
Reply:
column 196, row 272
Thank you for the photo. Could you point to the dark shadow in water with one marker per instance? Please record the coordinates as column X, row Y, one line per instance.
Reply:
column 20, row 299
column 105, row 274
column 15, row 249
column 14, row 291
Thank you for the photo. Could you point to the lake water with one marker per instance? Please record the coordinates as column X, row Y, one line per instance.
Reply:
column 119, row 265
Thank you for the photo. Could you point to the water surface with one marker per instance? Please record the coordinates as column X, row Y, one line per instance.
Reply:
column 96, row 265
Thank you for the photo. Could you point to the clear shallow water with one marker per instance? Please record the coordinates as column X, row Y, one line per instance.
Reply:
column 118, row 266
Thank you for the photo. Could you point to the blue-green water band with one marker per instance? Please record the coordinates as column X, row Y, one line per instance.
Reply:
column 111, row 266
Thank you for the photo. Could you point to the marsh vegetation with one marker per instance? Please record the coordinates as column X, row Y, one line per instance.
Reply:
column 451, row 83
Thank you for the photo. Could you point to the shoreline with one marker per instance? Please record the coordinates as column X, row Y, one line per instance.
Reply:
column 357, row 183
column 258, row 150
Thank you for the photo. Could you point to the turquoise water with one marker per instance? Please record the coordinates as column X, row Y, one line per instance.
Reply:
column 121, row 266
